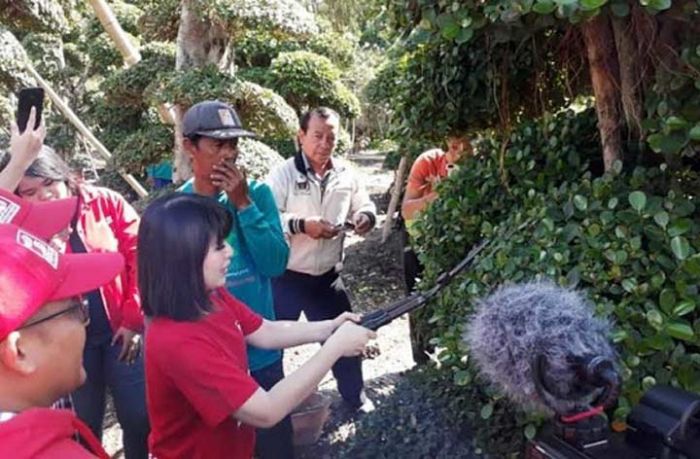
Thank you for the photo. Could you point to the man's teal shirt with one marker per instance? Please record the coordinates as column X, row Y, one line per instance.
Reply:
column 260, row 252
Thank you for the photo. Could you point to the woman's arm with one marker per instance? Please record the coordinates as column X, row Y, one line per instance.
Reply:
column 24, row 149
column 265, row 409
column 280, row 334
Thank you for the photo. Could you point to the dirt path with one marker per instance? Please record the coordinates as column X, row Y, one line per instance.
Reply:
column 372, row 274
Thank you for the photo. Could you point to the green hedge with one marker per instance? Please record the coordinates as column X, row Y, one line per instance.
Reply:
column 629, row 239
column 306, row 80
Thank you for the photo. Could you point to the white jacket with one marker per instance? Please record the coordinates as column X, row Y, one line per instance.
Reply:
column 299, row 194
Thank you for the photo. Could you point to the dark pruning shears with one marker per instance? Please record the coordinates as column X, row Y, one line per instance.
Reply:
column 381, row 317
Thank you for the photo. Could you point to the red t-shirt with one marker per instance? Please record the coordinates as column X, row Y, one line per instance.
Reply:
column 196, row 378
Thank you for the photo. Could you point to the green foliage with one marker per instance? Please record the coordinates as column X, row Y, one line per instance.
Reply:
column 104, row 57
column 33, row 15
column 12, row 73
column 126, row 87
column 160, row 19
column 287, row 17
column 257, row 159
column 673, row 108
column 261, row 109
column 265, row 112
column 306, row 80
column 258, row 47
column 628, row 239
column 150, row 144
column 46, row 52
column 127, row 15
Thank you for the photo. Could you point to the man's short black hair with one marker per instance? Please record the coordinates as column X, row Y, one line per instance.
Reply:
column 174, row 237
column 322, row 112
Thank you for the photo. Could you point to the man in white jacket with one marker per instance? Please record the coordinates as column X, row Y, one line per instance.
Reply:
column 320, row 197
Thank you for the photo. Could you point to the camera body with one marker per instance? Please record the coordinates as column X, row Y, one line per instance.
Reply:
column 664, row 425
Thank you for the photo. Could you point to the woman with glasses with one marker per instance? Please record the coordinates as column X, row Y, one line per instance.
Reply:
column 103, row 222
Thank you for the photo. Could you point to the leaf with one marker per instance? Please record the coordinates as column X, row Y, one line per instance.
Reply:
column 486, row 411
column 464, row 35
column 667, row 298
column 658, row 5
column 592, row 4
column 680, row 330
column 580, row 202
column 638, row 200
column 683, row 308
column 661, row 219
column 694, row 133
column 679, row 227
column 530, row 431
column 680, row 247
column 692, row 265
column 544, row 7
column 655, row 318
column 462, row 378
column 675, row 123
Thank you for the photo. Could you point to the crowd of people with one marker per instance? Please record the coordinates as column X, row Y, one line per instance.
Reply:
column 183, row 312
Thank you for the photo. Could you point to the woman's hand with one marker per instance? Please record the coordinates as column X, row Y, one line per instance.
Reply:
column 131, row 344
column 25, row 146
column 333, row 325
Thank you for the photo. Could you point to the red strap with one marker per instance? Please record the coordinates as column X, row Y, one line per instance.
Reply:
column 583, row 415
column 88, row 437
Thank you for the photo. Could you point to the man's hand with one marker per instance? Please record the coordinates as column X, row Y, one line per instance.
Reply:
column 25, row 147
column 131, row 344
column 332, row 325
column 233, row 182
column 362, row 223
column 319, row 228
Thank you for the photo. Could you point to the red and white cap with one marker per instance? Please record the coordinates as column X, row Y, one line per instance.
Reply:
column 41, row 218
column 32, row 273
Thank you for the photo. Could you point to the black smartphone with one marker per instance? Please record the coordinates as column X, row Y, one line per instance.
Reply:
column 28, row 98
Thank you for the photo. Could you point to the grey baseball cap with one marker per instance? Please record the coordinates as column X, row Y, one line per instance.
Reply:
column 213, row 118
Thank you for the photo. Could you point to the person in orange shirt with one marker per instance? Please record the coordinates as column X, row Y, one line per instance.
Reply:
column 427, row 171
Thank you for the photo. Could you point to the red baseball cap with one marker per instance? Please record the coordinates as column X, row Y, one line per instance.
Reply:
column 41, row 218
column 32, row 273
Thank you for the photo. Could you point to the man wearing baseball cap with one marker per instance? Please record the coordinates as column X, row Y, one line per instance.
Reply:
column 42, row 335
column 212, row 130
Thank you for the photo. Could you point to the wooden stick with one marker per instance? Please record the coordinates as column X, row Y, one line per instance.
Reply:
column 395, row 195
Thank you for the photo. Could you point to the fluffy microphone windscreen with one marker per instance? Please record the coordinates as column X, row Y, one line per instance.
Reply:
column 519, row 321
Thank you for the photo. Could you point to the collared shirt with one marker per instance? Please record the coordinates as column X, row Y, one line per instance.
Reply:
column 338, row 196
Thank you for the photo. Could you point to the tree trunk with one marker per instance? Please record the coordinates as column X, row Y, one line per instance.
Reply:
column 200, row 42
column 631, row 63
column 603, row 64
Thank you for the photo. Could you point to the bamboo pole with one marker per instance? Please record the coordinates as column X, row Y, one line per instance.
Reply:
column 114, row 29
column 395, row 195
column 80, row 126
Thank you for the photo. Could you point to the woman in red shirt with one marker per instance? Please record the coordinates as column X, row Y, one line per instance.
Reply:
column 202, row 401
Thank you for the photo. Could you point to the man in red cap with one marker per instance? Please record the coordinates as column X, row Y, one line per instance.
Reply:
column 42, row 335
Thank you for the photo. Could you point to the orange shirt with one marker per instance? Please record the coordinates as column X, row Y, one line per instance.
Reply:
column 428, row 169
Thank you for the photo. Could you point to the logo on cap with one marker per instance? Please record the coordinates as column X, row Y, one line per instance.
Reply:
column 38, row 247
column 8, row 210
column 225, row 117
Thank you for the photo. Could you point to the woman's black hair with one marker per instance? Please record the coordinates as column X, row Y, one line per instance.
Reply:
column 174, row 237
column 48, row 165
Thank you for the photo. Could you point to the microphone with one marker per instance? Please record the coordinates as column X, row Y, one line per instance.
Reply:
column 543, row 347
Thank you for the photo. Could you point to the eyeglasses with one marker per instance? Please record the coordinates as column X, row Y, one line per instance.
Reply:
column 79, row 307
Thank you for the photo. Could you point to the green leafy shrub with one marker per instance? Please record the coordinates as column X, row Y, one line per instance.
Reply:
column 160, row 19
column 306, row 80
column 46, row 52
column 629, row 240
column 126, row 87
column 265, row 112
column 34, row 15
column 12, row 73
column 257, row 159
column 150, row 144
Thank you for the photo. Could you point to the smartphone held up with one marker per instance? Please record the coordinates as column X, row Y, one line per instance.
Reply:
column 28, row 98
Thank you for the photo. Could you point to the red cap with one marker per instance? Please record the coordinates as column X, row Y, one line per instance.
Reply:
column 41, row 218
column 32, row 273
